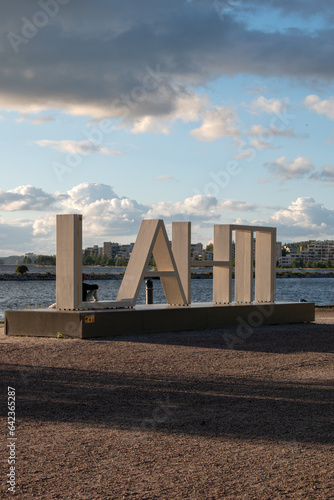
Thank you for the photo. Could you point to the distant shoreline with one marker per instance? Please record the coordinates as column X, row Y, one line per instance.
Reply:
column 119, row 276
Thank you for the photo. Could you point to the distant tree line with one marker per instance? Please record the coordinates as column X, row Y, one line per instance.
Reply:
column 46, row 260
column 93, row 259
column 317, row 265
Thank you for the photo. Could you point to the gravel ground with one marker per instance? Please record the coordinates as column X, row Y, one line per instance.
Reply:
column 173, row 416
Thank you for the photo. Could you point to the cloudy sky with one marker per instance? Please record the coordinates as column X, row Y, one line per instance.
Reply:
column 212, row 111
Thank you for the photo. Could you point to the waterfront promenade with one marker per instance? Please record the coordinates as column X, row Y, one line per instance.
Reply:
column 175, row 416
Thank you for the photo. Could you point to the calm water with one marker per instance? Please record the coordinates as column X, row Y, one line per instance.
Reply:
column 22, row 294
column 10, row 269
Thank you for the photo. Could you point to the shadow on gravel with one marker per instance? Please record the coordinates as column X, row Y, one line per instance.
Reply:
column 228, row 406
column 279, row 339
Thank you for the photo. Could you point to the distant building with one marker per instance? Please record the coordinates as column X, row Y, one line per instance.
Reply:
column 124, row 251
column 196, row 250
column 278, row 250
column 94, row 250
column 110, row 249
column 321, row 250
column 208, row 255
column 315, row 251
column 285, row 260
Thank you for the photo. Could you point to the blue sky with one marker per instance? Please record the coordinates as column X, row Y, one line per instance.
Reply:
column 209, row 111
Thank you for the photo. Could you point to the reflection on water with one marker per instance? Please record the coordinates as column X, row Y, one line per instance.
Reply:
column 23, row 294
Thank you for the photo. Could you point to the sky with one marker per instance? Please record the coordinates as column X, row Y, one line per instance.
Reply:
column 209, row 111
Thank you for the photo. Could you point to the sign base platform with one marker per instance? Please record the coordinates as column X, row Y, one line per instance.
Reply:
column 157, row 318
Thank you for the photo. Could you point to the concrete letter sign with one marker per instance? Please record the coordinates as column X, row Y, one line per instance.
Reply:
column 173, row 264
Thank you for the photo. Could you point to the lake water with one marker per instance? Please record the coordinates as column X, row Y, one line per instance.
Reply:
column 10, row 269
column 23, row 294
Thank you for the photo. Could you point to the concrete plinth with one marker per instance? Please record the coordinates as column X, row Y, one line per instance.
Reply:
column 152, row 319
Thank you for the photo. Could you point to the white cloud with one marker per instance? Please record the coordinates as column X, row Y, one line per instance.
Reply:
column 259, row 144
column 263, row 138
column 107, row 217
column 260, row 131
column 26, row 198
column 297, row 169
column 15, row 236
column 304, row 217
column 188, row 107
column 322, row 107
column 39, row 120
column 44, row 225
column 269, row 106
column 237, row 206
column 198, row 206
column 80, row 147
column 217, row 122
column 105, row 214
column 248, row 153
column 326, row 174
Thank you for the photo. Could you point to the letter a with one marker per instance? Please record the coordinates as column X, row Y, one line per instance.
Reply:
column 152, row 238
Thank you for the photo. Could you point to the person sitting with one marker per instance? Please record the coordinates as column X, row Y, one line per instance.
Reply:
column 89, row 292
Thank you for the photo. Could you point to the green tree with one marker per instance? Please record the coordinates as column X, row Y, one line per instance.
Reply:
column 88, row 260
column 26, row 260
column 152, row 262
column 46, row 260
column 97, row 259
column 21, row 269
column 104, row 260
column 121, row 262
